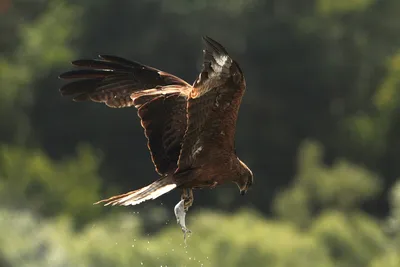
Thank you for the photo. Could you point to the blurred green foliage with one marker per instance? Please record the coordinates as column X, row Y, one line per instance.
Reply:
column 42, row 46
column 245, row 238
column 29, row 179
column 319, row 127
column 339, row 234
column 317, row 187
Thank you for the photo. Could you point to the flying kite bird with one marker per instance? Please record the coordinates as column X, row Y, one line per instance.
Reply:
column 190, row 128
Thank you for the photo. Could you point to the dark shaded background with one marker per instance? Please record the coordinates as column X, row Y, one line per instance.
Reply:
column 320, row 70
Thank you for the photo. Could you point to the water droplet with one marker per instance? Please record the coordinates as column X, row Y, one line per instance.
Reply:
column 141, row 263
column 133, row 246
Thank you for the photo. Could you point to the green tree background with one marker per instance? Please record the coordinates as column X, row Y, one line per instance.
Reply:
column 319, row 126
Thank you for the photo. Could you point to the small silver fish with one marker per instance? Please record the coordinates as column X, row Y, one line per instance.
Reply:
column 180, row 218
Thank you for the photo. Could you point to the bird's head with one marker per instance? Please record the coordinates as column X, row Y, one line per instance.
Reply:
column 245, row 180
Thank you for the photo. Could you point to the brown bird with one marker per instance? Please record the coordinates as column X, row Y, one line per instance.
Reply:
column 190, row 128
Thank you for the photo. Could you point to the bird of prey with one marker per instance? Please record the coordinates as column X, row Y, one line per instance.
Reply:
column 190, row 129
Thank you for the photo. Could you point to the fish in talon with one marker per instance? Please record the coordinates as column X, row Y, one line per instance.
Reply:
column 181, row 217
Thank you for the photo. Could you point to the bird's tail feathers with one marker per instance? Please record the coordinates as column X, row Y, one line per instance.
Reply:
column 152, row 191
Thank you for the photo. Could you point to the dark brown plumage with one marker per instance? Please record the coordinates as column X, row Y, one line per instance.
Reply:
column 190, row 128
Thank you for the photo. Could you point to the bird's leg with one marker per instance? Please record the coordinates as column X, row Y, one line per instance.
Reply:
column 181, row 208
column 188, row 199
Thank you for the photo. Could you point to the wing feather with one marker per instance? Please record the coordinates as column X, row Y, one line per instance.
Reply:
column 160, row 98
column 164, row 121
column 112, row 80
column 212, row 107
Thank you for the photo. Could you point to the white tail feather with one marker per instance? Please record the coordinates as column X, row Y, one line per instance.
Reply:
column 152, row 191
column 134, row 199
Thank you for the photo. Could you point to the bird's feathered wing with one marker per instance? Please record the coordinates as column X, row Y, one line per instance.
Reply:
column 212, row 106
column 160, row 98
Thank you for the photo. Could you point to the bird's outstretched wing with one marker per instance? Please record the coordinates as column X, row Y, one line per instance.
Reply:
column 212, row 107
column 159, row 97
